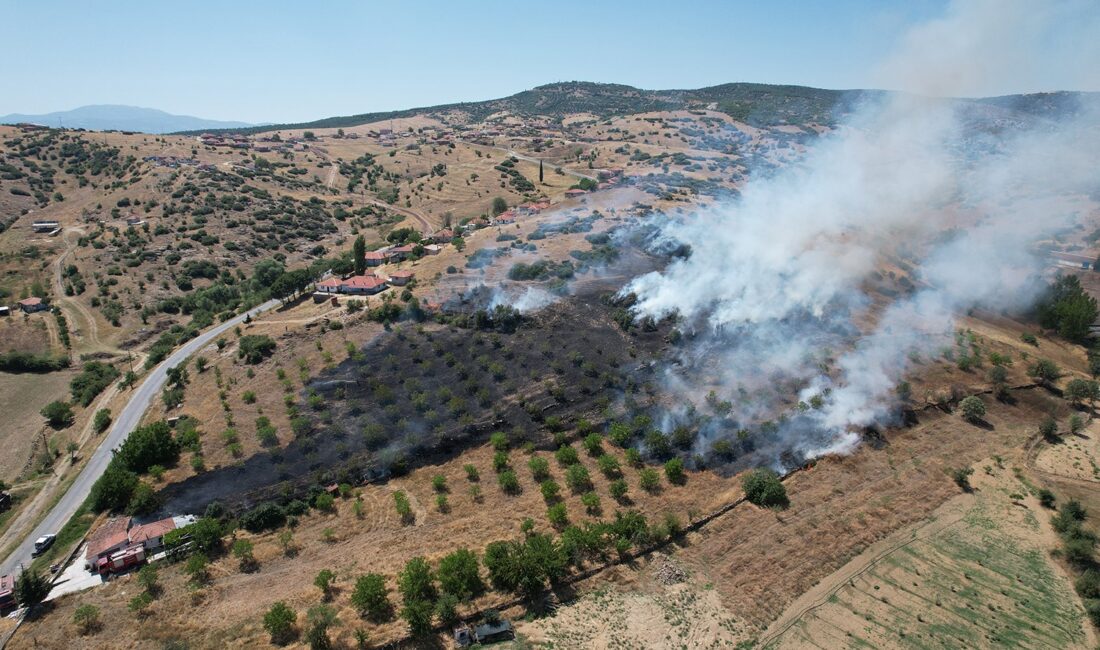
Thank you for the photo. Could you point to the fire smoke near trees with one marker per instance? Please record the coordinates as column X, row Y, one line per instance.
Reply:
column 774, row 294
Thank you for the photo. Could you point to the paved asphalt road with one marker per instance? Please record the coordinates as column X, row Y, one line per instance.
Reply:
column 124, row 422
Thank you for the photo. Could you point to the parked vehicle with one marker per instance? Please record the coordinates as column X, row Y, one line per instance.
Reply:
column 120, row 561
column 42, row 544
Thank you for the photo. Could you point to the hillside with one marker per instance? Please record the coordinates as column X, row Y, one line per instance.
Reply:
column 109, row 117
column 760, row 105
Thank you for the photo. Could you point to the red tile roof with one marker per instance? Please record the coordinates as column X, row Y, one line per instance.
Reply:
column 374, row 255
column 144, row 532
column 331, row 282
column 363, row 282
column 109, row 535
column 31, row 302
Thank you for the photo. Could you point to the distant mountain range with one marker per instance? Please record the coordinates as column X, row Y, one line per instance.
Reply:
column 108, row 117
column 762, row 105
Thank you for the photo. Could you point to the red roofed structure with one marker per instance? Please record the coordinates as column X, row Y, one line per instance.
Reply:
column 108, row 538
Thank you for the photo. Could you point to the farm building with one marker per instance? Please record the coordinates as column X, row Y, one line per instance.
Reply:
column 32, row 304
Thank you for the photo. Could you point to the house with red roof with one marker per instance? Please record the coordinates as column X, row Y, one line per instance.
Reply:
column 401, row 278
column 374, row 258
column 362, row 285
column 109, row 538
column 33, row 304
column 574, row 193
column 329, row 285
column 151, row 535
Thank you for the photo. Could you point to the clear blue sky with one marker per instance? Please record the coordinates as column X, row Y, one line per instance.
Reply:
column 279, row 61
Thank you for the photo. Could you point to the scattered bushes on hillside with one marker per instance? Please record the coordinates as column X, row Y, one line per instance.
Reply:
column 255, row 348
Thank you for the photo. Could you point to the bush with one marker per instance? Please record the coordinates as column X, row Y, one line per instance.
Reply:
column 972, row 409
column 674, row 471
column 458, row 574
column 763, row 488
column 508, row 482
column 1048, row 428
column 323, row 581
column 593, row 444
column 472, row 474
column 649, row 480
column 566, row 455
column 86, row 618
column 102, row 420
column 577, row 478
column 962, row 477
column 1044, row 372
column 94, row 377
column 499, row 440
column 1046, row 498
column 371, row 598
column 279, row 623
column 255, row 348
column 540, row 468
column 591, row 502
column 618, row 489
column 401, row 502
column 152, row 444
column 58, row 414
column 266, row 516
column 558, row 515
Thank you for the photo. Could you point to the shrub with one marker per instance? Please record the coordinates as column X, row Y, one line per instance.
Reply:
column 113, row 490
column 540, row 468
column 1048, row 428
column 577, row 478
column 86, row 618
column 558, row 515
column 1046, row 498
column 439, row 483
column 279, row 623
column 608, row 466
column 255, row 348
column 961, row 477
column 500, row 461
column 323, row 581
column 550, row 490
column 591, row 502
column 763, row 488
column 102, row 420
column 371, row 597
column 566, row 455
column 58, row 414
column 593, row 444
column 1044, row 372
column 499, row 440
column 649, row 480
column 674, row 471
column 508, row 482
column 972, row 409
column 458, row 574
column 618, row 489
column 401, row 502
column 266, row 516
column 471, row 473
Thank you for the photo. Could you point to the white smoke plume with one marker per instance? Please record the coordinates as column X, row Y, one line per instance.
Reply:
column 777, row 281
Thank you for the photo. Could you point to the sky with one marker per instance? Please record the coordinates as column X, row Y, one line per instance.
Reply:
column 282, row 61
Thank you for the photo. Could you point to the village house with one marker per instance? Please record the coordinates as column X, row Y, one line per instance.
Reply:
column 33, row 304
column 374, row 258
column 329, row 285
column 362, row 285
column 109, row 538
column 400, row 252
column 7, row 592
column 508, row 216
column 574, row 193
column 432, row 249
column 151, row 535
column 401, row 278
column 442, row 236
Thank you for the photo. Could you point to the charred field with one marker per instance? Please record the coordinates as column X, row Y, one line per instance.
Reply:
column 423, row 393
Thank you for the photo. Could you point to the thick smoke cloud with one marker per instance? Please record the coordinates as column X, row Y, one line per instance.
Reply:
column 776, row 284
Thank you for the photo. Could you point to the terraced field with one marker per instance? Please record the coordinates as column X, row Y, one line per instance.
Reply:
column 978, row 575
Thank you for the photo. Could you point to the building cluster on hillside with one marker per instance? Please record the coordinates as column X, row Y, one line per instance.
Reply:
column 367, row 284
column 120, row 543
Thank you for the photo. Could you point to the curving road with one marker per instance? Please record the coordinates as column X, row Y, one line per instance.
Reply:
column 125, row 422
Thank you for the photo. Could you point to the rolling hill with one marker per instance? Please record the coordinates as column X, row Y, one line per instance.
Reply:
column 111, row 117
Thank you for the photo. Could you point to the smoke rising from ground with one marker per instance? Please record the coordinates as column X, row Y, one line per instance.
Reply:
column 776, row 283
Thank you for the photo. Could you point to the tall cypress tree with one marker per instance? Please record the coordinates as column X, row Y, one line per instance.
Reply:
column 359, row 255
column 540, row 170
